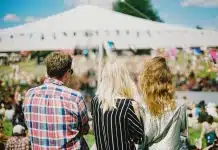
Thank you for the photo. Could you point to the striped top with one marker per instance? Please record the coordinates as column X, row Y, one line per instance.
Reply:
column 118, row 129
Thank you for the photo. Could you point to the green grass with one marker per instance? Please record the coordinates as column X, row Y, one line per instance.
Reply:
column 195, row 135
column 30, row 66
column 90, row 138
column 7, row 128
column 5, row 68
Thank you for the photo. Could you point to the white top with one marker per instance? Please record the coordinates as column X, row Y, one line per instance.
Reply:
column 9, row 114
column 164, row 133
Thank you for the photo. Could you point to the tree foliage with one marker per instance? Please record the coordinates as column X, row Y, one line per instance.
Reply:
column 144, row 7
column 199, row 27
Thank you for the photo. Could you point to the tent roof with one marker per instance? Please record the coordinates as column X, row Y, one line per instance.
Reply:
column 89, row 26
column 90, row 17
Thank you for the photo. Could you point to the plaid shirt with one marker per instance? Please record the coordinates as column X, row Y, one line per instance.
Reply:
column 18, row 143
column 56, row 117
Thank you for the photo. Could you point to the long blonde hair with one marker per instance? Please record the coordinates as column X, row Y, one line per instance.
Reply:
column 157, row 87
column 115, row 83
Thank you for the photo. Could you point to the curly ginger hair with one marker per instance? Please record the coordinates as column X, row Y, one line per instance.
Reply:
column 156, row 86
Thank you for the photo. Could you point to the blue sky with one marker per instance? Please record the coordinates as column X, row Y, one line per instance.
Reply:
column 183, row 12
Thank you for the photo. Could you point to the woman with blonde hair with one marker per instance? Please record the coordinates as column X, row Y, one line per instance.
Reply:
column 164, row 118
column 116, row 125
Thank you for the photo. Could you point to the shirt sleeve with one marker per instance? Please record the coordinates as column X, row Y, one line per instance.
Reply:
column 184, row 118
column 135, row 125
column 83, row 116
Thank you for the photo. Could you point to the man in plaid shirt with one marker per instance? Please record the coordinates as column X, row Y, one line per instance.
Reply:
column 56, row 116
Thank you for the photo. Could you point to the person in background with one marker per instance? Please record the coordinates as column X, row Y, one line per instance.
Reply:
column 203, row 115
column 9, row 112
column 209, row 131
column 2, row 111
column 217, row 109
column 164, row 119
column 197, row 109
column 117, row 124
column 191, row 81
column 17, row 95
column 3, row 138
column 18, row 117
column 56, row 116
column 19, row 140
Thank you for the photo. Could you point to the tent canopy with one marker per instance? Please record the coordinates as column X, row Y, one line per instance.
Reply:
column 88, row 26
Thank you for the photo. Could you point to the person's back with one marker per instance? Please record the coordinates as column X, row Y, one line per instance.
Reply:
column 164, row 119
column 56, row 116
column 117, row 129
column 164, row 133
column 116, row 125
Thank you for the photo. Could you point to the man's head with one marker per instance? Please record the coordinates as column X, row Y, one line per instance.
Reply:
column 58, row 66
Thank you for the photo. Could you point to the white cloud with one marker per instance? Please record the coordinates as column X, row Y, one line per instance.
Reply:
column 102, row 3
column 69, row 3
column 31, row 19
column 200, row 3
column 11, row 18
column 210, row 28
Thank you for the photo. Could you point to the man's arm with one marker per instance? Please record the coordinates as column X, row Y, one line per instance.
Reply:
column 83, row 114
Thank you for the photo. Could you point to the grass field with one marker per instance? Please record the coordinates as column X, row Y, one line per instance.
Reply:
column 193, row 135
column 30, row 67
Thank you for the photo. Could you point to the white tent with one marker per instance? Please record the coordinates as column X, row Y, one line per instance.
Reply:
column 89, row 26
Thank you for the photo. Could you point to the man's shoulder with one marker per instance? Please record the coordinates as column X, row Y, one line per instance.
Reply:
column 73, row 93
column 32, row 90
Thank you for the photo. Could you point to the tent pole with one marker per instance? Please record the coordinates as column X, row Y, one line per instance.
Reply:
column 100, row 61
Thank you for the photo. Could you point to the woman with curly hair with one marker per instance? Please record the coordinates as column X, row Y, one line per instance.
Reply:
column 164, row 118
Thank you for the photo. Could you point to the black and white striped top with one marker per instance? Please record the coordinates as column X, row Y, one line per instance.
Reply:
column 118, row 129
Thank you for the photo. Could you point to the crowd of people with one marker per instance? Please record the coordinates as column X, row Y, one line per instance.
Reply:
column 57, row 117
column 204, row 117
column 109, row 98
column 193, row 83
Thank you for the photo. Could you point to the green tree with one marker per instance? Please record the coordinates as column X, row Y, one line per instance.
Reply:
column 199, row 27
column 39, row 55
column 137, row 8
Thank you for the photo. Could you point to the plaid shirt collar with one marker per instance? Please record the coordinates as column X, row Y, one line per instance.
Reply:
column 53, row 81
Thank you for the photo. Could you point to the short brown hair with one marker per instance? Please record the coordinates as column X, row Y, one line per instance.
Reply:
column 57, row 64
